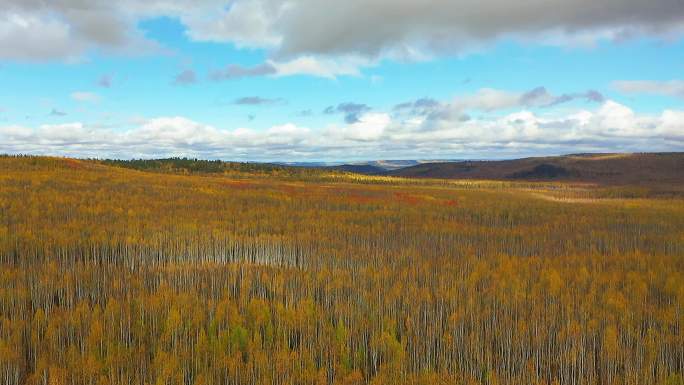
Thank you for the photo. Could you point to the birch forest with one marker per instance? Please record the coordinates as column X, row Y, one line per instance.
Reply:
column 115, row 273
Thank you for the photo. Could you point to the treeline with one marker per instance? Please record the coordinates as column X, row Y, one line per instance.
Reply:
column 184, row 166
column 114, row 277
column 200, row 166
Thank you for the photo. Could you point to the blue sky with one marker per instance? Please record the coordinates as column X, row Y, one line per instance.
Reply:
column 297, row 81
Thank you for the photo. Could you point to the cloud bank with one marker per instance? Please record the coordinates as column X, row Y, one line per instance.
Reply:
column 374, row 135
column 320, row 29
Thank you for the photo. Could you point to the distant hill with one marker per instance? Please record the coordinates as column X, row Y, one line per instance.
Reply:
column 637, row 168
column 610, row 169
column 376, row 166
column 395, row 164
column 379, row 167
column 366, row 169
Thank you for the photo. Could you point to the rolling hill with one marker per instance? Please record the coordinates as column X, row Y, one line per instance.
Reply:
column 614, row 169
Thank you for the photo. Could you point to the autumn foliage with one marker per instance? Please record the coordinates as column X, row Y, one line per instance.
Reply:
column 111, row 275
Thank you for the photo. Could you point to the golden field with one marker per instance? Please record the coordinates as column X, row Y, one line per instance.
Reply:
column 113, row 275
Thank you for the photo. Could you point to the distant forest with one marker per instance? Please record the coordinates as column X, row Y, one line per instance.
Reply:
column 190, row 166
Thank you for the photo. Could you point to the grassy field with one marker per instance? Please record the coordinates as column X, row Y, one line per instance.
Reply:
column 121, row 273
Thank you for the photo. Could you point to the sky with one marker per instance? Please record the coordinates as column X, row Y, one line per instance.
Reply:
column 354, row 80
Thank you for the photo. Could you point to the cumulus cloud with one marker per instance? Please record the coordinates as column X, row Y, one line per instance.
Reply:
column 312, row 26
column 185, row 77
column 244, row 23
column 159, row 137
column 365, row 128
column 667, row 88
column 612, row 127
column 321, row 67
column 351, row 111
column 36, row 30
column 374, row 135
column 490, row 100
column 29, row 37
column 412, row 29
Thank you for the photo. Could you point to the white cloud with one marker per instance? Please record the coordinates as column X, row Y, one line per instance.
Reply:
column 244, row 23
column 320, row 67
column 16, row 133
column 673, row 124
column 616, row 118
column 70, row 134
column 25, row 36
column 369, row 127
column 375, row 135
column 305, row 65
column 35, row 30
column 287, row 134
column 611, row 127
column 667, row 88
column 433, row 112
column 83, row 96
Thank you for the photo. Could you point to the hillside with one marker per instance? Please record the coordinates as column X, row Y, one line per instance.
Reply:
column 612, row 169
